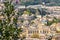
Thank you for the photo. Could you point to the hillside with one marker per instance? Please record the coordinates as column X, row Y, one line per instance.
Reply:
column 47, row 2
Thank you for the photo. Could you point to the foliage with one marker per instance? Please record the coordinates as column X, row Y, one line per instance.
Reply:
column 49, row 23
column 27, row 12
column 8, row 26
column 55, row 20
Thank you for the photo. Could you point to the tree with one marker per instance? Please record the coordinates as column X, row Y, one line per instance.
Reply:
column 8, row 25
column 27, row 12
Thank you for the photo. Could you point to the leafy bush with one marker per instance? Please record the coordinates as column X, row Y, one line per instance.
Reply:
column 55, row 20
column 8, row 26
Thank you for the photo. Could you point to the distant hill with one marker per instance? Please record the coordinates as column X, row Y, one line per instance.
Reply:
column 34, row 2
